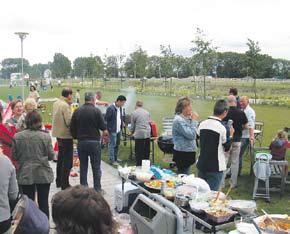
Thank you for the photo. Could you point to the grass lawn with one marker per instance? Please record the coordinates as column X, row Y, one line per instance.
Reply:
column 161, row 106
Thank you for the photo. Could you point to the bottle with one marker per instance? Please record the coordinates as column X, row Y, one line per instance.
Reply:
column 163, row 186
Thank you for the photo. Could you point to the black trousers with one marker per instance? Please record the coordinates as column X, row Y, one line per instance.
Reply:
column 42, row 195
column 64, row 162
column 142, row 150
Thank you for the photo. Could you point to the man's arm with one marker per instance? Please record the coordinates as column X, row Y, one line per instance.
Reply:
column 101, row 103
column 13, row 186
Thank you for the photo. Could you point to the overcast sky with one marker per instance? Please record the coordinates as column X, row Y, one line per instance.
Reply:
column 80, row 28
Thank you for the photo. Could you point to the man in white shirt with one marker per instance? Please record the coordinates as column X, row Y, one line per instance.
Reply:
column 247, row 134
column 114, row 121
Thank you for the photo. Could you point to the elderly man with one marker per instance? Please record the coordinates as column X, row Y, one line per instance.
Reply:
column 86, row 123
column 248, row 133
column 213, row 144
column 141, row 131
column 240, row 121
column 61, row 117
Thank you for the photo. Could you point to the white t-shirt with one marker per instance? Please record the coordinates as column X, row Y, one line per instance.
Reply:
column 251, row 116
column 118, row 119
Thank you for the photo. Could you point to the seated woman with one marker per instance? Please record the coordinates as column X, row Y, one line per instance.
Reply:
column 184, row 135
column 279, row 145
column 79, row 210
column 32, row 149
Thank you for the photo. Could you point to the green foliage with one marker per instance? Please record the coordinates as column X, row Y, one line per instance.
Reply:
column 136, row 64
column 88, row 66
column 13, row 65
column 37, row 70
column 61, row 66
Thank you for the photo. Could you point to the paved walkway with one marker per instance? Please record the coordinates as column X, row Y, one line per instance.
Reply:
column 110, row 178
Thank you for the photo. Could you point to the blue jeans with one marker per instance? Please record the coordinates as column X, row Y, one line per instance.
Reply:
column 92, row 149
column 244, row 145
column 213, row 179
column 114, row 145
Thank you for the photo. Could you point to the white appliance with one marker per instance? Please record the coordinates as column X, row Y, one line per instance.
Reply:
column 123, row 200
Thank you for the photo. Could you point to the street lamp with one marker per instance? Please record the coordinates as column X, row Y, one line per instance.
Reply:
column 22, row 36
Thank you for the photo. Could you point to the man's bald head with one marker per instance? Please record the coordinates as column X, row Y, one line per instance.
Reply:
column 232, row 100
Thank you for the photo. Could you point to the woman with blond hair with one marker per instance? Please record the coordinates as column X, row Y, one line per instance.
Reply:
column 29, row 105
column 279, row 145
column 184, row 135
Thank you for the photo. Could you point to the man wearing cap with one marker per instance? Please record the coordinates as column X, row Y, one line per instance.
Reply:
column 86, row 123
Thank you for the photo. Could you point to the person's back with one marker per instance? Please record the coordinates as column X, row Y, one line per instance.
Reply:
column 32, row 150
column 212, row 135
column 141, row 118
column 86, row 123
column 8, row 191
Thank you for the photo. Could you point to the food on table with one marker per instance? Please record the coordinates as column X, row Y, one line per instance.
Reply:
column 169, row 193
column 243, row 206
column 219, row 214
column 282, row 223
column 186, row 190
column 156, row 184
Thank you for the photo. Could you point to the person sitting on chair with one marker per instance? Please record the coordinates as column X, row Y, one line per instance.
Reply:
column 279, row 145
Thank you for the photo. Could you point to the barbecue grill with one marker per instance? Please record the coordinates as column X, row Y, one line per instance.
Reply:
column 165, row 144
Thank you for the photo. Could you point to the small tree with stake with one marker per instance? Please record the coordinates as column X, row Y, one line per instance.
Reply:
column 253, row 61
column 204, row 54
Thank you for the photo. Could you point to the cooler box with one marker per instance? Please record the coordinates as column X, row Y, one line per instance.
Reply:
column 149, row 217
column 123, row 203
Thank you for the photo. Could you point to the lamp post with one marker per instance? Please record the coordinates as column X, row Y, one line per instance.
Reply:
column 22, row 36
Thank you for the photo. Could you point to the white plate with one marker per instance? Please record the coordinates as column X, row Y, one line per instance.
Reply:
column 246, row 228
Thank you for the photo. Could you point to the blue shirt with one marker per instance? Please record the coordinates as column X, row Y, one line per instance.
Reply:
column 184, row 134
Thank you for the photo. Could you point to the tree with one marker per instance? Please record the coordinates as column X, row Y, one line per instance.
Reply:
column 253, row 61
column 37, row 70
column 61, row 66
column 136, row 64
column 13, row 65
column 112, row 66
column 205, row 55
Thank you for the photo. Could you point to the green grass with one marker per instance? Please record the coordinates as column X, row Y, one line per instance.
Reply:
column 274, row 118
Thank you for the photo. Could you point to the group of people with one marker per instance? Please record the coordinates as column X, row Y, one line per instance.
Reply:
column 29, row 147
column 223, row 138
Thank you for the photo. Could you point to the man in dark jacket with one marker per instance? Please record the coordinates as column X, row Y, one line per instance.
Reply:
column 114, row 118
column 86, row 123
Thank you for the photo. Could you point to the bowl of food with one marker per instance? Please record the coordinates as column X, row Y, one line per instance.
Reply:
column 169, row 193
column 243, row 206
column 219, row 214
column 281, row 223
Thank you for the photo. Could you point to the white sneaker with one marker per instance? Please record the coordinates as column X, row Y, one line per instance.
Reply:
column 115, row 163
